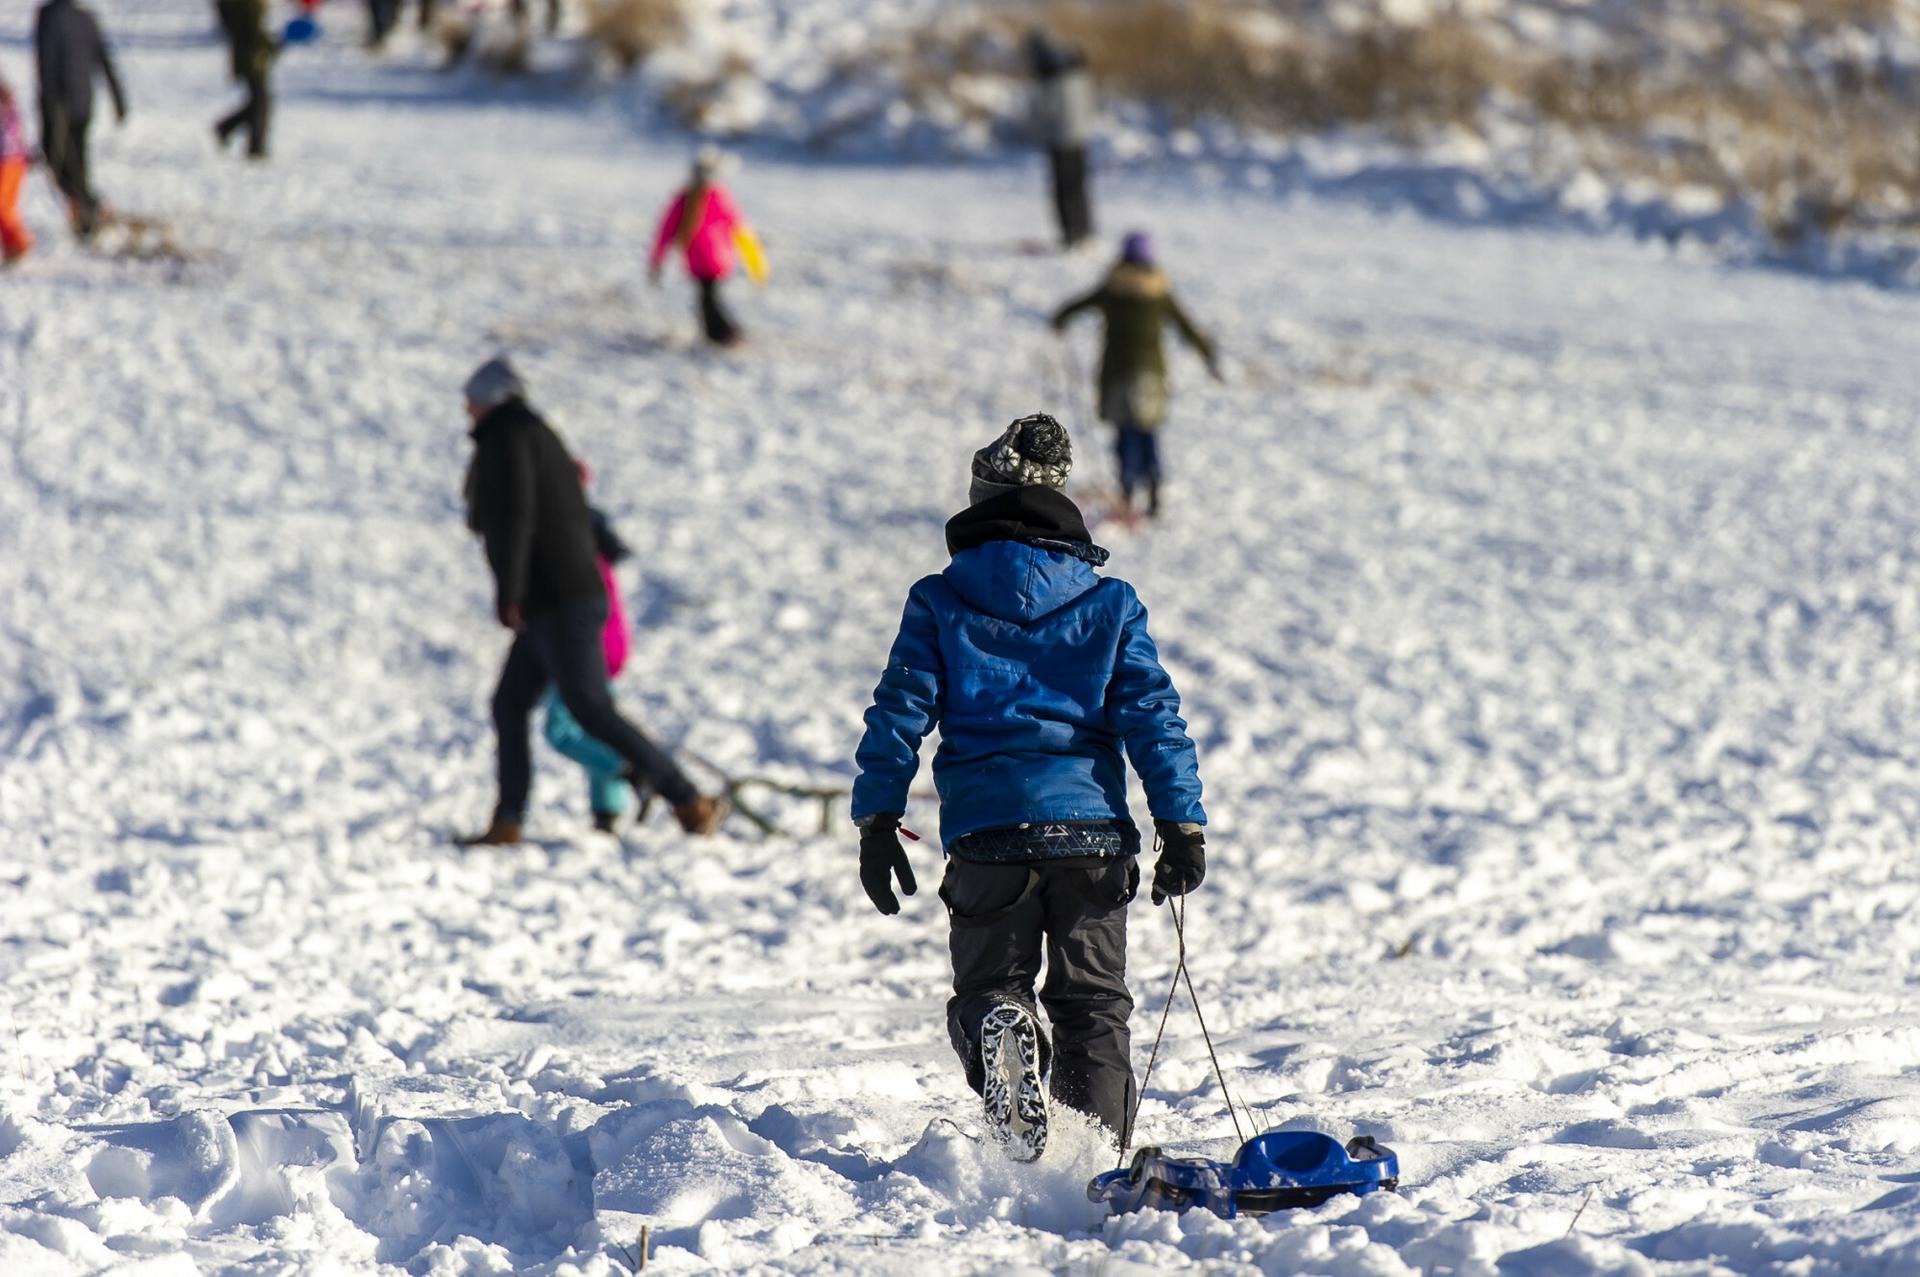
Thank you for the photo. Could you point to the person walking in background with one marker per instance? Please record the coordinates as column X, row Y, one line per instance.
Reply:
column 524, row 499
column 607, row 786
column 1063, row 118
column 520, row 15
column 705, row 227
column 71, row 51
column 1136, row 302
column 252, row 52
column 382, row 17
column 15, row 159
column 1037, row 672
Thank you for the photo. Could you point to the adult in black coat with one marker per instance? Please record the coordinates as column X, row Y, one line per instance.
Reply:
column 1064, row 114
column 525, row 501
column 71, row 51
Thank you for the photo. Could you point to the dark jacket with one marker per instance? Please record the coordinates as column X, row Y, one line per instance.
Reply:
column 71, row 51
column 1137, row 303
column 1038, row 672
column 524, row 499
column 245, row 22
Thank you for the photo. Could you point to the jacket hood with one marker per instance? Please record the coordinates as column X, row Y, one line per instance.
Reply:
column 511, row 411
column 1022, row 555
column 1019, row 582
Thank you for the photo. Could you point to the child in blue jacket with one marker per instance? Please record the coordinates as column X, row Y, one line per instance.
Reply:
column 1038, row 673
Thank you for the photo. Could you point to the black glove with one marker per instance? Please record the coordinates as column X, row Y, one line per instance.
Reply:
column 881, row 857
column 1183, row 859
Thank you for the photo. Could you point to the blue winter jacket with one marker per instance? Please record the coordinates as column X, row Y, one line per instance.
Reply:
column 1037, row 671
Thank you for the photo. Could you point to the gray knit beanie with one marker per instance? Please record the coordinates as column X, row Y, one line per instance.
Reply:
column 495, row 382
column 1033, row 452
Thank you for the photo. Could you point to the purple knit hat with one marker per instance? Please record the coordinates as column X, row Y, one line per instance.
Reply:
column 1137, row 248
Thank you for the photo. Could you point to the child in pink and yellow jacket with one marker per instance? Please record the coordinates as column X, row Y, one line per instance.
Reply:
column 705, row 226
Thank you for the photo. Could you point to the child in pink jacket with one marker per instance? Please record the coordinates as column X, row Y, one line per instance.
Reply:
column 607, row 784
column 15, row 159
column 705, row 224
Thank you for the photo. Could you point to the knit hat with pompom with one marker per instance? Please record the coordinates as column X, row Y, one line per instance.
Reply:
column 1032, row 452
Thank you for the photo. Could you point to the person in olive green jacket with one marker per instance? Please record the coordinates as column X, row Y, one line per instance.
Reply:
column 1136, row 300
column 252, row 51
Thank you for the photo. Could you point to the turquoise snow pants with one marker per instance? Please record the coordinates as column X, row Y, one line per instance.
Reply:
column 607, row 787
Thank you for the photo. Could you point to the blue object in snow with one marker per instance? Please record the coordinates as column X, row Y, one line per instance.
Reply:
column 301, row 30
column 1277, row 1170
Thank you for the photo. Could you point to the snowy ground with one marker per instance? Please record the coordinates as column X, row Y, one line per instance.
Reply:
column 1546, row 609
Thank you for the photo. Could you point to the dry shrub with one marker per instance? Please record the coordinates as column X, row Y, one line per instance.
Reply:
column 1201, row 57
column 632, row 30
column 1188, row 56
column 1814, row 155
column 454, row 34
column 501, row 47
column 1779, row 18
column 1405, row 77
column 510, row 53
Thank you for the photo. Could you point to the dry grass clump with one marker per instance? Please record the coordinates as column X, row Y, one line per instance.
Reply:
column 1779, row 18
column 1815, row 152
column 500, row 47
column 630, row 31
column 1214, row 56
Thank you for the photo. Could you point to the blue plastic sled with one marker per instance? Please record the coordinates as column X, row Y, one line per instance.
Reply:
column 1277, row 1170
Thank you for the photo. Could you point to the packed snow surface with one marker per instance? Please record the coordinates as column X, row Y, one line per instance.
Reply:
column 1546, row 609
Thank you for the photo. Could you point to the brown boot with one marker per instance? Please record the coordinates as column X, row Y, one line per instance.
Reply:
column 702, row 816
column 501, row 833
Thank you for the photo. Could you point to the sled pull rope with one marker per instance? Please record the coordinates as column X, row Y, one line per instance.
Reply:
column 1180, row 932
column 1177, row 907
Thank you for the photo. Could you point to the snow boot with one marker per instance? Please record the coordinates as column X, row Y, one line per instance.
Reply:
column 606, row 822
column 501, row 833
column 1015, row 1095
column 703, row 815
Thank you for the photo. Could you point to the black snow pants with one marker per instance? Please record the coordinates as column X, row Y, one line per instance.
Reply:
column 1000, row 916
column 63, row 139
column 561, row 648
column 716, row 321
column 1070, row 199
column 254, row 115
column 382, row 17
